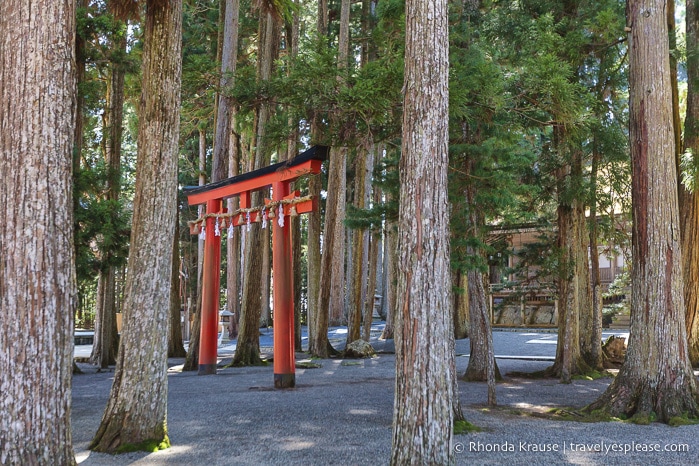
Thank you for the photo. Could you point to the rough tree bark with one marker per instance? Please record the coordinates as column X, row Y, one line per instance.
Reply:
column 368, row 315
column 588, row 341
column 333, row 240
column 689, row 200
column 292, row 34
column 317, row 340
column 106, row 342
column 38, row 293
column 461, row 311
column 593, row 353
column 192, row 361
column 656, row 378
column 137, row 408
column 248, row 349
column 314, row 219
column 332, row 274
column 481, row 362
column 226, row 143
column 374, row 252
column 425, row 369
column 330, row 302
column 266, row 311
column 364, row 163
column 391, row 252
column 573, row 277
column 175, row 345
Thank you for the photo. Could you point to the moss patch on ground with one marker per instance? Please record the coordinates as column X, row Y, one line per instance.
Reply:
column 465, row 427
column 150, row 446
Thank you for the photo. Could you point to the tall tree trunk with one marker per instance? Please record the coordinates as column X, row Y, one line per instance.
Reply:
column 333, row 247
column 229, row 56
column 105, row 342
column 689, row 200
column 374, row 253
column 317, row 319
column 360, row 242
column 192, row 361
column 105, row 333
column 461, row 309
column 573, row 282
column 656, row 378
column 593, row 357
column 233, row 245
column 175, row 346
column 137, row 408
column 314, row 221
column 391, row 252
column 292, row 40
column 247, row 351
column 37, row 271
column 368, row 315
column 265, row 312
column 425, row 368
column 481, row 362
column 248, row 348
column 226, row 146
column 200, row 210
column 588, row 343
column 330, row 302
column 337, row 174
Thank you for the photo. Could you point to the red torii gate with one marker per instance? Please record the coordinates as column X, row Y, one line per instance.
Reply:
column 283, row 203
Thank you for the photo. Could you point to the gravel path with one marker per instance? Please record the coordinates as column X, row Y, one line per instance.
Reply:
column 340, row 414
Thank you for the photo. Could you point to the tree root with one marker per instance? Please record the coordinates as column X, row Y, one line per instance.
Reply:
column 640, row 401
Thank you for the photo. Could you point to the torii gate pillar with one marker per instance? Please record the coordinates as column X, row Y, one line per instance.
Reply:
column 211, row 277
column 283, row 297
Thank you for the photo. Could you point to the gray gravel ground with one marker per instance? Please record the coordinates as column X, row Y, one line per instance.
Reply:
column 340, row 414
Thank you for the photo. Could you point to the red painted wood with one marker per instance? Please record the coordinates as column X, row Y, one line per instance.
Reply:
column 208, row 340
column 283, row 299
column 306, row 168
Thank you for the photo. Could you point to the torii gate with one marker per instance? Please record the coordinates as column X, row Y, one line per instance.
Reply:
column 284, row 203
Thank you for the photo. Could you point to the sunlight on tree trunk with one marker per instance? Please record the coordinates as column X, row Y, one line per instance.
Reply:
column 248, row 349
column 425, row 369
column 656, row 378
column 38, row 294
column 689, row 200
column 136, row 411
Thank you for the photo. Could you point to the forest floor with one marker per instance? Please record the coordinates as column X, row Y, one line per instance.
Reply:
column 341, row 414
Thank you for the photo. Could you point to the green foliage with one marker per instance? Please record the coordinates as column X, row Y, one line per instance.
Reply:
column 385, row 178
column 689, row 167
column 620, row 286
column 99, row 31
column 488, row 161
column 200, row 70
column 102, row 225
